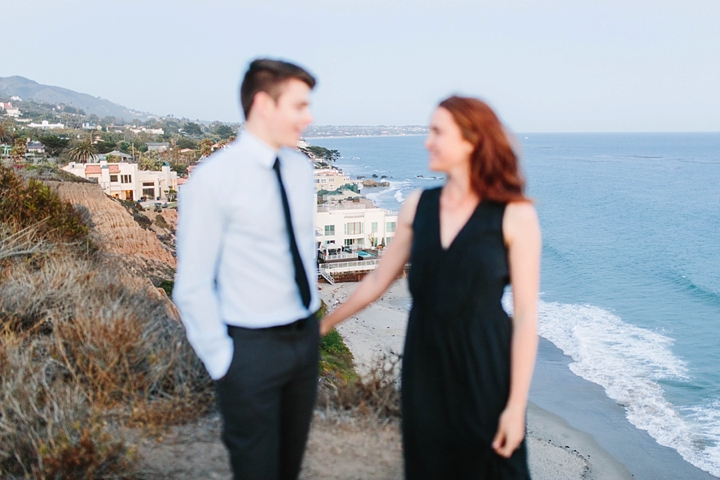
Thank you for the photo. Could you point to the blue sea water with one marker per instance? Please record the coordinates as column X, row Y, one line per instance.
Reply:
column 630, row 267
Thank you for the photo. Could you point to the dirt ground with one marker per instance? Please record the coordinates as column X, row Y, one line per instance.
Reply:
column 339, row 448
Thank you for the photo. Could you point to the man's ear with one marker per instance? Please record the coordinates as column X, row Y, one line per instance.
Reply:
column 262, row 103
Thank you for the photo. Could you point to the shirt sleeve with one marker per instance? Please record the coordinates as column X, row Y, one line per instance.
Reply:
column 199, row 246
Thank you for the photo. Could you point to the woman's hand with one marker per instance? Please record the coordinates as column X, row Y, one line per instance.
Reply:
column 511, row 431
column 391, row 265
column 325, row 328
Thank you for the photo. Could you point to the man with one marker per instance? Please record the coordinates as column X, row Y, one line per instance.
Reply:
column 246, row 284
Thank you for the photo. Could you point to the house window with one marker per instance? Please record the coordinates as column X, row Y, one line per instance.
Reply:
column 388, row 240
column 114, row 178
column 329, row 230
column 126, row 179
column 354, row 228
column 149, row 192
column 349, row 241
column 374, row 227
column 390, row 227
column 148, row 184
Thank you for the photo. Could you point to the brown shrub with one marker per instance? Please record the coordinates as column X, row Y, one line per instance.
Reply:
column 84, row 349
column 375, row 394
column 47, row 427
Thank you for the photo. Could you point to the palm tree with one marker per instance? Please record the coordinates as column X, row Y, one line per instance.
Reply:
column 82, row 151
column 206, row 147
column 5, row 133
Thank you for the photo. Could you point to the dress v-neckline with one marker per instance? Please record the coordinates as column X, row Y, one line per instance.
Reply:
column 439, row 229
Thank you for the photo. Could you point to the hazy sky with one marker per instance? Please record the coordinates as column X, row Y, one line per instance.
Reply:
column 551, row 65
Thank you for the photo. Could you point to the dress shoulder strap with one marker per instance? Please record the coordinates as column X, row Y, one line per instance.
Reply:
column 427, row 204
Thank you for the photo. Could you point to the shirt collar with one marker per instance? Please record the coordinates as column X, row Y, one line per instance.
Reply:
column 260, row 152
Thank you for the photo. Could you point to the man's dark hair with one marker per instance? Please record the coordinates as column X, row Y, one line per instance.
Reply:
column 266, row 75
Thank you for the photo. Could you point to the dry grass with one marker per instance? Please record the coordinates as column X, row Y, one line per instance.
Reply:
column 47, row 428
column 374, row 395
column 85, row 349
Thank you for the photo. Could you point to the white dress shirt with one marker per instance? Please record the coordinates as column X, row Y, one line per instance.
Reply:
column 234, row 261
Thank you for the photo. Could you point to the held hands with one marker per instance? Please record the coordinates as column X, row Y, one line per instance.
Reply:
column 511, row 431
column 325, row 327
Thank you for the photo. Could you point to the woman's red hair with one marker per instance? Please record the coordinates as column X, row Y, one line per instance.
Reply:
column 494, row 170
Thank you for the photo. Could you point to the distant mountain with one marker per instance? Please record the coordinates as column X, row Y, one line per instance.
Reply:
column 29, row 89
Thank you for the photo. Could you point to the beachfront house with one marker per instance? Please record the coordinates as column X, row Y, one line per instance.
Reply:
column 126, row 181
column 331, row 179
column 356, row 224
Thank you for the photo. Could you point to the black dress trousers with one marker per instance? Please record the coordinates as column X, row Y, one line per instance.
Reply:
column 267, row 399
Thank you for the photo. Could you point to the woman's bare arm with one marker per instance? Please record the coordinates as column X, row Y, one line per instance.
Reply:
column 379, row 280
column 522, row 236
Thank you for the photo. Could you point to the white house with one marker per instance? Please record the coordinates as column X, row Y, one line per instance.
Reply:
column 331, row 179
column 45, row 125
column 12, row 112
column 356, row 223
column 126, row 181
column 152, row 131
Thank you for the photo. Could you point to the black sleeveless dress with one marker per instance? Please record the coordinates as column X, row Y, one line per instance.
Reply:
column 456, row 365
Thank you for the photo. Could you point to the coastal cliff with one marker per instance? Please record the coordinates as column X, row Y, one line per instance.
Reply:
column 120, row 234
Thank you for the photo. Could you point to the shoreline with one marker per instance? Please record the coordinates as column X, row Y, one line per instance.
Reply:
column 365, row 136
column 564, row 409
column 556, row 449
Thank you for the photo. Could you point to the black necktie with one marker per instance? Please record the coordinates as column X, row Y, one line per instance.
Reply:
column 300, row 275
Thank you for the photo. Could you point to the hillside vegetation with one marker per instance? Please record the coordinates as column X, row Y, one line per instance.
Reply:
column 85, row 347
column 91, row 350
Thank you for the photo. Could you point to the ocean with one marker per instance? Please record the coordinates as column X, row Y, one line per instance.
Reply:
column 630, row 285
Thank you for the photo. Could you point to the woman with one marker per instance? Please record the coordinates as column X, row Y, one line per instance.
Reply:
column 467, row 366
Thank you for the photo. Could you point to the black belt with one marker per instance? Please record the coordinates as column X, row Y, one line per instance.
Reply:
column 295, row 326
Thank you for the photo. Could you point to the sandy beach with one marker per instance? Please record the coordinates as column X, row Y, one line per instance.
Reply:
column 556, row 450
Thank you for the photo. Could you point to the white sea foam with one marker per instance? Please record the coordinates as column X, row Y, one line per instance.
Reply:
column 707, row 418
column 628, row 362
column 395, row 191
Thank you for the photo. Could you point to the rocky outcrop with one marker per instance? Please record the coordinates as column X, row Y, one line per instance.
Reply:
column 373, row 183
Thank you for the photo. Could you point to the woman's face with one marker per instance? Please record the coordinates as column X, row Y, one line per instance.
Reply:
column 448, row 149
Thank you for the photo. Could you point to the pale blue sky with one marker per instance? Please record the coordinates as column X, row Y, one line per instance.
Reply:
column 552, row 65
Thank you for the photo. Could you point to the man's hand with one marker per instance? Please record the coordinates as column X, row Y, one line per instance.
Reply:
column 511, row 431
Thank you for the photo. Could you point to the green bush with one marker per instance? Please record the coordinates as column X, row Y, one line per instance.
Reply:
column 336, row 360
column 168, row 286
column 49, row 172
column 24, row 204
